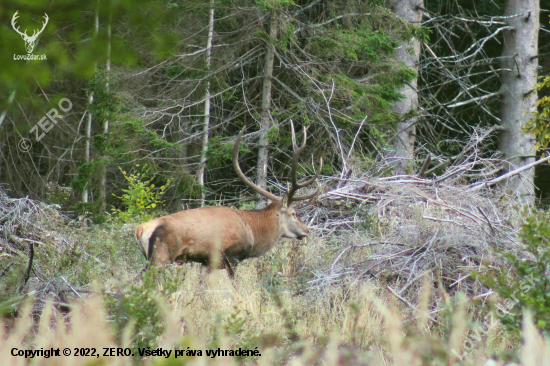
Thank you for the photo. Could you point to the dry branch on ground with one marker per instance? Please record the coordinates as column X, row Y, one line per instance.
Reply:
column 26, row 225
column 401, row 228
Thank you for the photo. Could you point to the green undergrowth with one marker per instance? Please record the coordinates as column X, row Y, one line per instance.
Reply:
column 273, row 304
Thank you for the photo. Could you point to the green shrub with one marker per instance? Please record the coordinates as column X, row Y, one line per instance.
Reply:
column 539, row 125
column 140, row 198
column 525, row 282
column 138, row 303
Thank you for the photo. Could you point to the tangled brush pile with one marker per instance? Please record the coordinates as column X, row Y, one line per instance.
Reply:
column 402, row 228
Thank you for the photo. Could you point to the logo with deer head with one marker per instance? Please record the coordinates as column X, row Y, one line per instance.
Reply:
column 30, row 41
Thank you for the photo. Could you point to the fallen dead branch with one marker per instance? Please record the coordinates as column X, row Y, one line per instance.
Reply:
column 398, row 228
column 508, row 175
column 28, row 228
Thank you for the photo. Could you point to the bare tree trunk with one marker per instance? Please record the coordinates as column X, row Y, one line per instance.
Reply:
column 88, row 144
column 206, row 122
column 3, row 115
column 265, row 117
column 518, row 95
column 402, row 156
column 103, row 169
column 89, row 122
column 9, row 102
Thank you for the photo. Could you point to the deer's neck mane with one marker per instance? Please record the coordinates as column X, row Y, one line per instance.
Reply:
column 264, row 224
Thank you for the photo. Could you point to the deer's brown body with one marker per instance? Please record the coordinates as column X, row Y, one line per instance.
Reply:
column 224, row 235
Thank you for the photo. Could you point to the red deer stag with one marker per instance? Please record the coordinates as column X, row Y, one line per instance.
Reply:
column 224, row 235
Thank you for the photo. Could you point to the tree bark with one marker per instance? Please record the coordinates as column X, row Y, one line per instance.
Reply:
column 103, row 168
column 265, row 117
column 206, row 121
column 9, row 102
column 87, row 153
column 3, row 115
column 402, row 156
column 88, row 144
column 517, row 92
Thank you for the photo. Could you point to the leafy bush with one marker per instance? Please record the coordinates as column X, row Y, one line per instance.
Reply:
column 140, row 198
column 530, row 286
column 139, row 303
column 540, row 124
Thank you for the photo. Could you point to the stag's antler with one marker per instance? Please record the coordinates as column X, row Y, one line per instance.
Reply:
column 295, row 158
column 247, row 181
column 296, row 151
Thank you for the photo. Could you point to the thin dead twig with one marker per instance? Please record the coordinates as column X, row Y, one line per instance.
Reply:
column 508, row 175
column 404, row 301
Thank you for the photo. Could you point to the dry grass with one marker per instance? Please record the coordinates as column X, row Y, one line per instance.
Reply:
column 324, row 302
column 369, row 332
